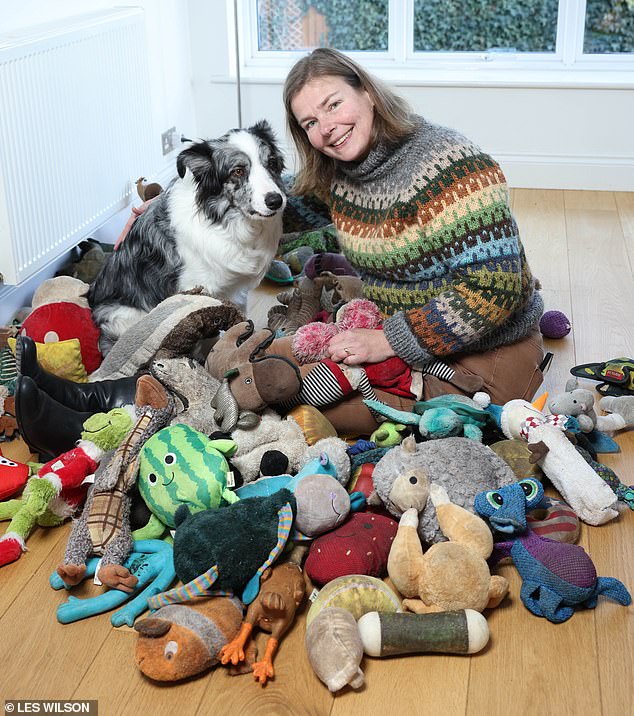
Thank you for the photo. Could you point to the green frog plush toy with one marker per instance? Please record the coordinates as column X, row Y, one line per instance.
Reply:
column 181, row 466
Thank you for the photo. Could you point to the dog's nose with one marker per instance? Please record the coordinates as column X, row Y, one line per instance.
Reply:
column 273, row 200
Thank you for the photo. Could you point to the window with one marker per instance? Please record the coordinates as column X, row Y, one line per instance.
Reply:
column 348, row 25
column 473, row 26
column 428, row 40
column 609, row 26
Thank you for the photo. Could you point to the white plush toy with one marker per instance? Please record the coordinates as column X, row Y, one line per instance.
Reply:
column 579, row 403
column 579, row 485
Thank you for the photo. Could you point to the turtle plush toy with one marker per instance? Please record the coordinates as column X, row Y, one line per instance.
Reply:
column 227, row 550
column 181, row 466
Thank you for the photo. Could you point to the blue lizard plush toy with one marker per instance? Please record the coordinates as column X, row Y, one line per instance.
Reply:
column 556, row 576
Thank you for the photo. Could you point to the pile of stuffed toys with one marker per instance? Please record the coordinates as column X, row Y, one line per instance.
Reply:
column 204, row 512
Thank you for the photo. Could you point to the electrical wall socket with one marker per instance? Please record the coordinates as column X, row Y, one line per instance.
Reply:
column 168, row 140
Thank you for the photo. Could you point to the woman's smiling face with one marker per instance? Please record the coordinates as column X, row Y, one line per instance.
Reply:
column 336, row 117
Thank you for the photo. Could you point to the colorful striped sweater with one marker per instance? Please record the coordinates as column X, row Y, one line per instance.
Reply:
column 428, row 227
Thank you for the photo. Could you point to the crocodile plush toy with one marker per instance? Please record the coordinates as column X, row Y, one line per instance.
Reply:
column 556, row 576
column 443, row 416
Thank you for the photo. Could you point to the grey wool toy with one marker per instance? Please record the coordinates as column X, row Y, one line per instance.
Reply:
column 462, row 466
column 202, row 401
column 104, row 526
column 193, row 389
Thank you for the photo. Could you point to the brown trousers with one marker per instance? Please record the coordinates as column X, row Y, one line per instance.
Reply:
column 508, row 372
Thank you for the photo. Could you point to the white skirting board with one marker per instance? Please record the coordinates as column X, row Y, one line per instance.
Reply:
column 568, row 172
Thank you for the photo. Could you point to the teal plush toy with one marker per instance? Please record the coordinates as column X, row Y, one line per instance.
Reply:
column 151, row 561
column 443, row 416
column 322, row 502
column 181, row 466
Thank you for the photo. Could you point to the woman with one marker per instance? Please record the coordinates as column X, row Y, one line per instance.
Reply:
column 422, row 214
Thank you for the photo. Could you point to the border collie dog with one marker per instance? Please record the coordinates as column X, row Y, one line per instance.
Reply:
column 217, row 225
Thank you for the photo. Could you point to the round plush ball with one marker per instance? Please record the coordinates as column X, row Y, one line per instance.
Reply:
column 61, row 321
column 554, row 324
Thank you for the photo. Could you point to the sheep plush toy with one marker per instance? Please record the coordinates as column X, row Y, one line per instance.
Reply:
column 402, row 478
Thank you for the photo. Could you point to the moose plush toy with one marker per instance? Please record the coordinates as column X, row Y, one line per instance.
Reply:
column 256, row 378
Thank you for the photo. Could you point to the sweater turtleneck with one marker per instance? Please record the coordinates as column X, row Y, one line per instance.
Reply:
column 380, row 161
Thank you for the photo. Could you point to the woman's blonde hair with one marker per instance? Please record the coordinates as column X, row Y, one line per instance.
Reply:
column 392, row 115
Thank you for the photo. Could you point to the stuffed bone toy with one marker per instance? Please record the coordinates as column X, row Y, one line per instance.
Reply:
column 580, row 486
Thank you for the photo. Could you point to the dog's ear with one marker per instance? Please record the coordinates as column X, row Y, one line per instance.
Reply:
column 199, row 159
column 264, row 131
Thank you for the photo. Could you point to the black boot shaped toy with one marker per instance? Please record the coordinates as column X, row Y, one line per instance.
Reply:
column 48, row 427
column 98, row 397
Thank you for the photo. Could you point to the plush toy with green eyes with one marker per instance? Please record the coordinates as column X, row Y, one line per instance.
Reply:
column 181, row 466
column 556, row 577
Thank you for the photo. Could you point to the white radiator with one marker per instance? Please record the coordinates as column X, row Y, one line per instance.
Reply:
column 75, row 131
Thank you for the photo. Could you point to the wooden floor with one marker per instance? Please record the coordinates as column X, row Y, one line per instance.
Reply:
column 581, row 246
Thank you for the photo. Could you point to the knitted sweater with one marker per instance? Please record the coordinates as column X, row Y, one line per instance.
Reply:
column 427, row 225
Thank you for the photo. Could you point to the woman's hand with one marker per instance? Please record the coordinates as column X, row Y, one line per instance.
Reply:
column 360, row 345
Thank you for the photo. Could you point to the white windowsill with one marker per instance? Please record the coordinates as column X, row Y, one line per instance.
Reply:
column 578, row 79
column 589, row 75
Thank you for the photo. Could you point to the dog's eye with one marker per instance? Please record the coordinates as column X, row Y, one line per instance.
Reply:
column 238, row 172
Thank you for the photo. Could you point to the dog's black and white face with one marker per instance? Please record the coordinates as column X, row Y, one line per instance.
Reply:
column 217, row 226
column 241, row 171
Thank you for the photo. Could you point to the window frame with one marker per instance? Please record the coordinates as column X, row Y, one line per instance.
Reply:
column 567, row 66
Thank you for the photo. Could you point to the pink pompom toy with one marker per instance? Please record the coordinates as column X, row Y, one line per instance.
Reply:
column 358, row 313
column 310, row 342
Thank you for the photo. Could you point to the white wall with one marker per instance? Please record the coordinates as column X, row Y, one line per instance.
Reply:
column 168, row 48
column 558, row 138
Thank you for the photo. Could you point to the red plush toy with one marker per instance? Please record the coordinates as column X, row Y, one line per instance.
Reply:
column 360, row 546
column 56, row 318
column 13, row 476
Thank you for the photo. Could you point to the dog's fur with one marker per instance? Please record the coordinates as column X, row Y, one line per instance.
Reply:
column 217, row 225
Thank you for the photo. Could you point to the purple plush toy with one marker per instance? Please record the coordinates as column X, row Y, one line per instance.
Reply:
column 556, row 576
column 554, row 324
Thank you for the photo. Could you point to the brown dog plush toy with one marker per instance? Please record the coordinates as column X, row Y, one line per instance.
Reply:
column 256, row 378
column 451, row 575
column 281, row 592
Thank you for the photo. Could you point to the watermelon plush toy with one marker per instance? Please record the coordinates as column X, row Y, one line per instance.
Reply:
column 181, row 466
